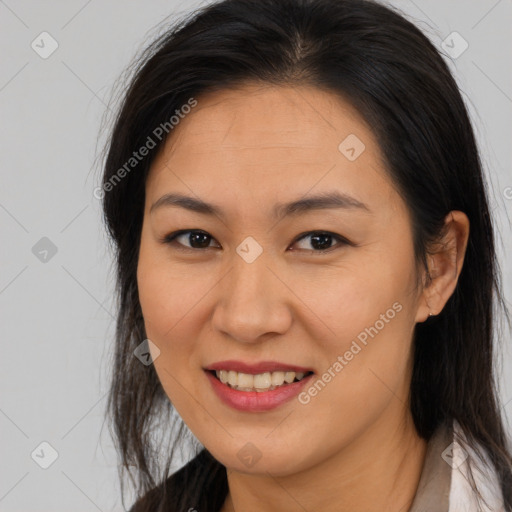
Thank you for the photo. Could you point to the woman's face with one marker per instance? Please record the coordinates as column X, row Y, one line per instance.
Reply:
column 249, row 285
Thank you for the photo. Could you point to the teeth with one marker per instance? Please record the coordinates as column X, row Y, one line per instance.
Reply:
column 232, row 378
column 260, row 382
column 245, row 380
column 277, row 378
column 289, row 376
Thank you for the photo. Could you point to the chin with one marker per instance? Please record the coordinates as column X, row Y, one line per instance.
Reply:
column 256, row 459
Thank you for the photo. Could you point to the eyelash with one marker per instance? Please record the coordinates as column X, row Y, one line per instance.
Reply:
column 170, row 240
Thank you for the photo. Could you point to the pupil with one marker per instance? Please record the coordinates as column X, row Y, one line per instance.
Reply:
column 194, row 237
column 325, row 238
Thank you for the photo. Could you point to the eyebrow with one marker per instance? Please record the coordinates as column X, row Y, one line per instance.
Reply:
column 322, row 201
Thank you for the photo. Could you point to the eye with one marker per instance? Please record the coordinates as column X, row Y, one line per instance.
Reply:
column 320, row 240
column 198, row 239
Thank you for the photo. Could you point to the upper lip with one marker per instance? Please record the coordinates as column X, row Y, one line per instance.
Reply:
column 256, row 368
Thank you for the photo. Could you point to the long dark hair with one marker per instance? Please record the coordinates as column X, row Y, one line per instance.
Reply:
column 388, row 69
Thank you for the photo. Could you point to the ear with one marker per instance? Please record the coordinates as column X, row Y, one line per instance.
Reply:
column 445, row 264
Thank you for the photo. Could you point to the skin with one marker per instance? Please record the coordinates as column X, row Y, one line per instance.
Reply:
column 246, row 150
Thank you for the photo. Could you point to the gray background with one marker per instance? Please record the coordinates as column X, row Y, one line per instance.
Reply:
column 57, row 313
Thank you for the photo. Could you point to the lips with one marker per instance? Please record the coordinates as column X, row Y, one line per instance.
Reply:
column 257, row 368
column 263, row 398
column 254, row 401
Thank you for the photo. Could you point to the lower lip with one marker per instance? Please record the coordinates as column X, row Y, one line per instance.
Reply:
column 256, row 401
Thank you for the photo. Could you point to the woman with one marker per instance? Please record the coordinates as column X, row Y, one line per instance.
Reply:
column 306, row 268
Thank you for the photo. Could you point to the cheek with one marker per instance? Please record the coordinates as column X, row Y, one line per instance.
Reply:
column 368, row 362
column 156, row 300
column 167, row 295
column 367, row 315
column 169, row 303
column 348, row 298
column 366, row 371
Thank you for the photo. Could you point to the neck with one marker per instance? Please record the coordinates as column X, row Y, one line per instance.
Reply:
column 379, row 470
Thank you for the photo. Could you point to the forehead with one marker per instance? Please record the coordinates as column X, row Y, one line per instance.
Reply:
column 267, row 117
column 267, row 112
column 269, row 138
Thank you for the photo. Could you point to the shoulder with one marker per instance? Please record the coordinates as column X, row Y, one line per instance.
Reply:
column 467, row 469
column 155, row 499
column 200, row 476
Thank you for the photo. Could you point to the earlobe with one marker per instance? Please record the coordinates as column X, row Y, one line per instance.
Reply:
column 445, row 263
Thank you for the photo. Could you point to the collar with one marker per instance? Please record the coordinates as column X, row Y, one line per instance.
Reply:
column 433, row 491
column 445, row 482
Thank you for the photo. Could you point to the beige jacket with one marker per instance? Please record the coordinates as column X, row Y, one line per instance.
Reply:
column 445, row 483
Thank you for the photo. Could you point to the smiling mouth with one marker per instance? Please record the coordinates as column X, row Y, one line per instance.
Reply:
column 260, row 382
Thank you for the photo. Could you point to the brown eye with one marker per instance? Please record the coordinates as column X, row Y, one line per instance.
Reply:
column 190, row 239
column 321, row 241
column 196, row 238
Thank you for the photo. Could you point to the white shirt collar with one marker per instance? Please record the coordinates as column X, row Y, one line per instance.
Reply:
column 445, row 479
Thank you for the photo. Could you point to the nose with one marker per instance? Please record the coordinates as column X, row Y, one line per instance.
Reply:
column 253, row 303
